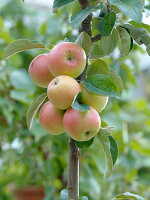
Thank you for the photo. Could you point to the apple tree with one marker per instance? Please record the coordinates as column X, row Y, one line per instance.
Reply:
column 105, row 27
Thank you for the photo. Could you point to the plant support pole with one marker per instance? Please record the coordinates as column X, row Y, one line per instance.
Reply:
column 74, row 154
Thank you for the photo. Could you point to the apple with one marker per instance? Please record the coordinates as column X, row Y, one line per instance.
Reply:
column 39, row 72
column 67, row 58
column 62, row 90
column 81, row 126
column 95, row 101
column 51, row 119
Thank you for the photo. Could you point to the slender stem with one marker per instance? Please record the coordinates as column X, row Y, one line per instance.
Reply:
column 86, row 24
column 73, row 179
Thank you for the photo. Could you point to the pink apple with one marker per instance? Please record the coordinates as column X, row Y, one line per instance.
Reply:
column 51, row 119
column 39, row 72
column 67, row 58
column 62, row 90
column 82, row 126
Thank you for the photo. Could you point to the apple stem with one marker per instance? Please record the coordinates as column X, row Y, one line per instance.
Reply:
column 73, row 179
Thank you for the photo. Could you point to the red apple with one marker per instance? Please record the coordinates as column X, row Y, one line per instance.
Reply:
column 51, row 119
column 39, row 72
column 82, row 126
column 67, row 58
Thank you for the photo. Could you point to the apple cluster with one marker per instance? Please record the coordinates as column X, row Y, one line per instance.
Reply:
column 57, row 71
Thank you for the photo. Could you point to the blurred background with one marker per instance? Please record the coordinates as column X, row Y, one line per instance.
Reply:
column 35, row 158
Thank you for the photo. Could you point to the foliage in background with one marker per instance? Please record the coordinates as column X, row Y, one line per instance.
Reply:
column 37, row 158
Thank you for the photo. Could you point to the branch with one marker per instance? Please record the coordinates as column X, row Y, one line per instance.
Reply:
column 86, row 24
column 96, row 38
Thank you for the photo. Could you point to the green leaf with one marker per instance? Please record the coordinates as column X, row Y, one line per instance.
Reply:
column 140, row 35
column 116, row 79
column 77, row 103
column 107, row 23
column 145, row 38
column 107, row 129
column 20, row 45
column 64, row 194
column 34, row 107
column 129, row 196
column 60, row 3
column 20, row 81
column 98, row 66
column 113, row 149
column 21, row 96
column 105, row 144
column 84, row 40
column 147, row 7
column 85, row 144
column 125, row 41
column 105, row 46
column 135, row 33
column 81, row 15
column 103, row 124
column 140, row 25
column 102, row 85
column 132, row 8
column 148, row 49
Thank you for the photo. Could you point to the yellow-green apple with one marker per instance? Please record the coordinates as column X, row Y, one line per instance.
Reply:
column 62, row 90
column 67, row 58
column 81, row 126
column 39, row 72
column 93, row 100
column 51, row 119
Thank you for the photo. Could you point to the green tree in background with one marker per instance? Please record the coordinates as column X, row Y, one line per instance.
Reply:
column 36, row 158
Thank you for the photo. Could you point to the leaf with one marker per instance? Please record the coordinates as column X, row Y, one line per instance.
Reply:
column 140, row 35
column 20, row 81
column 21, row 96
column 20, row 45
column 107, row 129
column 132, row 8
column 145, row 38
column 148, row 49
column 85, row 144
column 113, row 149
column 64, row 194
column 125, row 41
column 129, row 196
column 77, row 103
column 34, row 107
column 105, row 46
column 105, row 144
column 147, row 7
column 107, row 23
column 102, row 85
column 84, row 40
column 116, row 79
column 135, row 33
column 103, row 124
column 140, row 25
column 98, row 66
column 81, row 15
column 59, row 3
